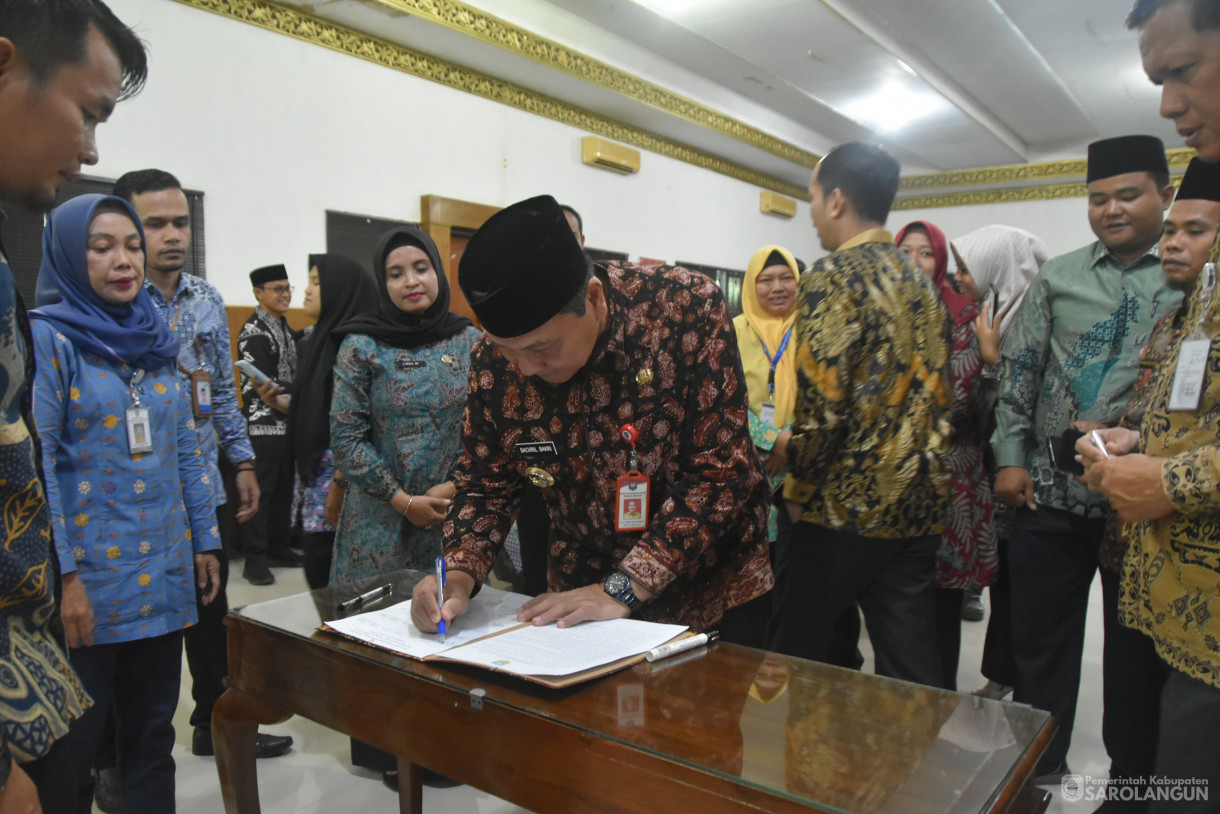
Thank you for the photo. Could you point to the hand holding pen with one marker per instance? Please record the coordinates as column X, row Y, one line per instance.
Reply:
column 440, row 594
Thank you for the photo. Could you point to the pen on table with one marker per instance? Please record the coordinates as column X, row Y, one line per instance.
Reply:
column 440, row 594
column 367, row 596
column 682, row 645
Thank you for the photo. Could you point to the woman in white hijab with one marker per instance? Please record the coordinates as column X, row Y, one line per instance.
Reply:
column 995, row 265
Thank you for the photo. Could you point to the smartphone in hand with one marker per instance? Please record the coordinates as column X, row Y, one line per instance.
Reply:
column 1062, row 451
column 255, row 375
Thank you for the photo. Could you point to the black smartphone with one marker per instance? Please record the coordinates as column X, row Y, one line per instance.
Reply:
column 1063, row 452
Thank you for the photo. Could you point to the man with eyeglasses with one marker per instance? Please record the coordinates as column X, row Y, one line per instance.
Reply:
column 267, row 342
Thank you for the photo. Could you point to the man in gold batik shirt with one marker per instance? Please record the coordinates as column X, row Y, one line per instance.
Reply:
column 870, row 432
column 1168, row 487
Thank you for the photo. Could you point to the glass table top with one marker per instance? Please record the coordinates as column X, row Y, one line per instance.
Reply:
column 798, row 729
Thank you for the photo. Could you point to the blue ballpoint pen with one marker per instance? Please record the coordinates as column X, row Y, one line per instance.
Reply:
column 440, row 593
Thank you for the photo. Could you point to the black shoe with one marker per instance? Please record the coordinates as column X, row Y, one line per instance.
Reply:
column 972, row 607
column 431, row 779
column 108, row 790
column 264, row 745
column 286, row 559
column 1053, row 776
column 258, row 575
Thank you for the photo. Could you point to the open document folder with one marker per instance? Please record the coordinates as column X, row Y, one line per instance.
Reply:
column 489, row 635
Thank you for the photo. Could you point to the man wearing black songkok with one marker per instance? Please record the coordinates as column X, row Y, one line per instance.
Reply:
column 1133, row 674
column 269, row 343
column 1069, row 363
column 586, row 374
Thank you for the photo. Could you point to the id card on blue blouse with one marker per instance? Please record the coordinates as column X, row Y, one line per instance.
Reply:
column 767, row 414
column 139, row 430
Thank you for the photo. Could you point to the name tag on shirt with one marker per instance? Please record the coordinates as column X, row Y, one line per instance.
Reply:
column 139, row 430
column 632, row 492
column 1188, row 381
column 767, row 414
column 536, row 448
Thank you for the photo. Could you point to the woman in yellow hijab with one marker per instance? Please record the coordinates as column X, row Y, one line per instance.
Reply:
column 768, row 354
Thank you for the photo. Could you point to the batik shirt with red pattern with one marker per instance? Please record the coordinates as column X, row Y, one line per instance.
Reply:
column 667, row 364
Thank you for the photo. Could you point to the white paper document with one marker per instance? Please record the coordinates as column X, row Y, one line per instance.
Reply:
column 491, row 611
column 554, row 651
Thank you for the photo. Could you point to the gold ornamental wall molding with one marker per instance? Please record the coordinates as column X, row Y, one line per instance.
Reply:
column 301, row 26
column 980, row 197
column 480, row 25
column 1040, row 171
column 1040, row 192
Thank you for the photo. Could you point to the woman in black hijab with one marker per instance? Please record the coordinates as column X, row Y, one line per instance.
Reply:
column 400, row 391
column 338, row 291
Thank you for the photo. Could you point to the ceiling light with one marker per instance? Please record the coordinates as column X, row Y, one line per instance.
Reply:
column 894, row 106
column 674, row 9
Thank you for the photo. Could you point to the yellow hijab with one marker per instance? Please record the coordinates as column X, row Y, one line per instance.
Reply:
column 755, row 324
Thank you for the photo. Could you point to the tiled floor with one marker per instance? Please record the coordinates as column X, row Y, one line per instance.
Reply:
column 316, row 777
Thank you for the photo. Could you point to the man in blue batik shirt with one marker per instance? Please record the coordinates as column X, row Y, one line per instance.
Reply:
column 195, row 311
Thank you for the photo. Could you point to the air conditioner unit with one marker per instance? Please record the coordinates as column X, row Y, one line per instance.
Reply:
column 772, row 203
column 598, row 152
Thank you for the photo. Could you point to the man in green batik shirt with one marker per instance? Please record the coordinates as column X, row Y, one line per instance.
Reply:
column 1071, row 360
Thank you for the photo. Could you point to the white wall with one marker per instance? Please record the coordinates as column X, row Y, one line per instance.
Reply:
column 277, row 131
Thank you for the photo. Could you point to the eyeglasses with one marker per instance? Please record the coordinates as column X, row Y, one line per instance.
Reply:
column 278, row 290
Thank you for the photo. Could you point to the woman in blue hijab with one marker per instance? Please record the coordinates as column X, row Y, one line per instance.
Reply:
column 132, row 516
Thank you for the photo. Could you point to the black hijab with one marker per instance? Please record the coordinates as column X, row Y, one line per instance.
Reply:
column 392, row 325
column 347, row 291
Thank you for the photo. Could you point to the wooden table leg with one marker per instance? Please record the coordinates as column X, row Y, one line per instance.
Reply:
column 235, row 721
column 410, row 787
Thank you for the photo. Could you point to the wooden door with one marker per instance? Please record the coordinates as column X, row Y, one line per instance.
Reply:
column 450, row 223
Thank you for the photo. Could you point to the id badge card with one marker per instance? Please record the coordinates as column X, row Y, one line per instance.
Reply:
column 632, row 499
column 201, row 393
column 1188, row 381
column 767, row 414
column 139, row 430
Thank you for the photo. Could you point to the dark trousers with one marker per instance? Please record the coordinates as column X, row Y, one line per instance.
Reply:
column 207, row 650
column 141, row 679
column 846, row 649
column 1051, row 561
column 269, row 531
column 998, row 664
column 747, row 624
column 534, row 534
column 893, row 581
column 949, row 634
column 319, row 548
column 50, row 774
column 1134, row 678
column 1187, row 745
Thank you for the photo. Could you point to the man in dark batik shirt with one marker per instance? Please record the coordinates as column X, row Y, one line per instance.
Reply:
column 269, row 343
column 576, row 359
column 64, row 65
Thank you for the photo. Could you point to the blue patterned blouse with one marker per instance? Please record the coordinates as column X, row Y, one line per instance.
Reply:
column 395, row 422
column 129, row 524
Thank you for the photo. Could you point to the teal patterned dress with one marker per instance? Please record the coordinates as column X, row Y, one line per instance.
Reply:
column 395, row 423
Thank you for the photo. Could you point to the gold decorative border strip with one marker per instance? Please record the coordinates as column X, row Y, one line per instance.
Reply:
column 299, row 25
column 1010, row 173
column 1046, row 192
column 980, row 197
column 480, row 25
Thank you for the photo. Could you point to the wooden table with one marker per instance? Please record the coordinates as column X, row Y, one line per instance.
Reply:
column 723, row 729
